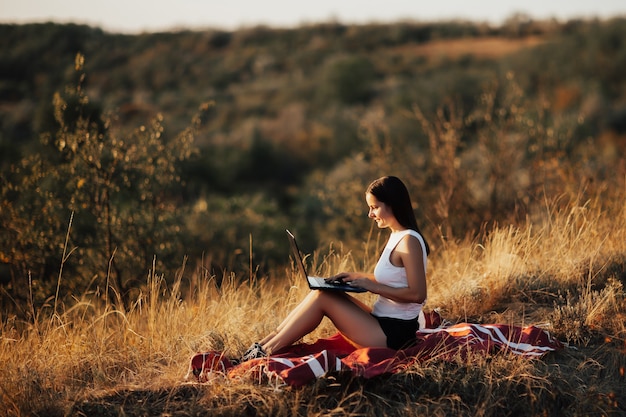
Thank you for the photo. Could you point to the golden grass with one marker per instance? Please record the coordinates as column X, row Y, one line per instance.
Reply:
column 574, row 247
column 487, row 47
column 565, row 272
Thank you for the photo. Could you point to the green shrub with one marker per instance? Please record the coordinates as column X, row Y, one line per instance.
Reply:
column 349, row 79
column 120, row 195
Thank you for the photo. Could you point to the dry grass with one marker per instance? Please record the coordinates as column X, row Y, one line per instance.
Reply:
column 565, row 271
column 488, row 47
column 576, row 248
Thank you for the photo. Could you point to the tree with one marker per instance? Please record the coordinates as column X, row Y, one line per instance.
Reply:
column 122, row 192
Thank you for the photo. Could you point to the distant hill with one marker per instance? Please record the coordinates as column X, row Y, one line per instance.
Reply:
column 257, row 73
column 482, row 122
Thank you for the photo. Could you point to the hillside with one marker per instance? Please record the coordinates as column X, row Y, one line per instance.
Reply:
column 564, row 273
column 146, row 182
column 263, row 129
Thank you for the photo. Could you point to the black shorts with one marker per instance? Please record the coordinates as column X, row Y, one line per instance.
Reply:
column 400, row 333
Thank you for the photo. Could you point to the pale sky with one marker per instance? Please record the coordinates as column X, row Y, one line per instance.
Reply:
column 134, row 16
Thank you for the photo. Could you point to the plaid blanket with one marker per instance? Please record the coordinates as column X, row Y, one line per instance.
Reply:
column 302, row 363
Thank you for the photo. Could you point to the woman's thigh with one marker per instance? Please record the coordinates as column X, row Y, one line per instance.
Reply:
column 353, row 319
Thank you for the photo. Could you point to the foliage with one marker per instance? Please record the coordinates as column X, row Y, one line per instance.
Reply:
column 303, row 119
column 349, row 80
column 514, row 159
column 119, row 193
column 563, row 271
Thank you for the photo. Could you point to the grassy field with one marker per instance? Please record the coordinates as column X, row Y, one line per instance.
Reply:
column 564, row 269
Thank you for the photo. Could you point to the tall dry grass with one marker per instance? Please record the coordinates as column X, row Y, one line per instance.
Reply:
column 564, row 269
column 576, row 247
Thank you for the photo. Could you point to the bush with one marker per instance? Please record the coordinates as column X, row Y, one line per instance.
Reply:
column 120, row 195
column 349, row 79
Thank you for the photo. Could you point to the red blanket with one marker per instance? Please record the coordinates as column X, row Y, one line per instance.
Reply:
column 301, row 363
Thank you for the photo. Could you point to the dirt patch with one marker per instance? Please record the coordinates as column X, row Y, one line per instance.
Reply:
column 184, row 400
column 488, row 47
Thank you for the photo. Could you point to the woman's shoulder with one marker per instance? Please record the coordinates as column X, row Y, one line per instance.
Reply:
column 410, row 235
column 405, row 238
column 409, row 232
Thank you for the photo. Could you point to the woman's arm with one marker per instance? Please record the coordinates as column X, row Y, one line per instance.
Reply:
column 408, row 254
column 351, row 276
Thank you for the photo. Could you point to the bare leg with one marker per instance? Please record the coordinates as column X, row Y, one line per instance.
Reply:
column 300, row 306
column 297, row 310
column 349, row 315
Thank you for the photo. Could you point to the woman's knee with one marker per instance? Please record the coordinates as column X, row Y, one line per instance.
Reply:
column 330, row 295
column 325, row 298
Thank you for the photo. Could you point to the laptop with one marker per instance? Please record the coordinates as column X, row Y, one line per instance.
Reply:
column 317, row 283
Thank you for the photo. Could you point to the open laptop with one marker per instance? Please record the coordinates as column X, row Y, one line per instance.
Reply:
column 317, row 283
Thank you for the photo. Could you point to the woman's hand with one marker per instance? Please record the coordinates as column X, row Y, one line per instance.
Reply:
column 355, row 279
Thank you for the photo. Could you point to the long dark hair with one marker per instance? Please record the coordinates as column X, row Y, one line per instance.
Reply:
column 392, row 191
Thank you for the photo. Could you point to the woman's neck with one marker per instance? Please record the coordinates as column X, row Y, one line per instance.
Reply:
column 397, row 228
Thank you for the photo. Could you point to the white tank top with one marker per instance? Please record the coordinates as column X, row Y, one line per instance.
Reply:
column 395, row 276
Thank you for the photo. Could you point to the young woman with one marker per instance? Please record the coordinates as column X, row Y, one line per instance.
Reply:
column 399, row 279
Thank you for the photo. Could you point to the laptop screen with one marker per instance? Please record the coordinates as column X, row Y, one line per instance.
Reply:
column 296, row 255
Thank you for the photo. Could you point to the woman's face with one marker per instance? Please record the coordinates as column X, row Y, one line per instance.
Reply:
column 379, row 212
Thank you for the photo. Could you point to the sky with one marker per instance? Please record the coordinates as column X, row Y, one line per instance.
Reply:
column 136, row 16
